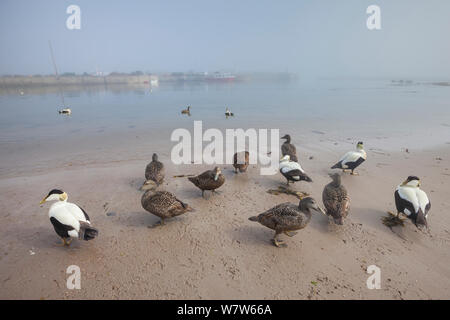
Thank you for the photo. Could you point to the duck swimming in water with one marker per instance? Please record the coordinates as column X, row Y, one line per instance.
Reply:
column 209, row 180
column 163, row 204
column 352, row 159
column 69, row 220
column 155, row 170
column 242, row 163
column 287, row 218
column 228, row 113
column 186, row 111
column 65, row 111
column 292, row 171
column 336, row 200
column 412, row 201
column 287, row 148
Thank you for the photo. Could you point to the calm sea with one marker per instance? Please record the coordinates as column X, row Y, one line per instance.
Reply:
column 122, row 123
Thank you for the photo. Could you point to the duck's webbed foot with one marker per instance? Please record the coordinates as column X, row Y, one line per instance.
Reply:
column 65, row 242
column 290, row 233
column 354, row 173
column 157, row 224
column 278, row 243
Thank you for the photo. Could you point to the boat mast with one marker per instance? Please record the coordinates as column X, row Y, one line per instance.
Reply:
column 56, row 71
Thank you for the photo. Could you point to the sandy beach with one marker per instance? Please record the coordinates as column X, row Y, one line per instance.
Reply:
column 216, row 252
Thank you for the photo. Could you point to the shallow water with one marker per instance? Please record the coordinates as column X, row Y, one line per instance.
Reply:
column 119, row 123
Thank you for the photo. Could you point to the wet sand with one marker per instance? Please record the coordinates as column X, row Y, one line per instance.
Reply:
column 216, row 252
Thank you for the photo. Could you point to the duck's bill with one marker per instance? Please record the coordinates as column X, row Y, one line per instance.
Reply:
column 321, row 210
column 216, row 176
column 43, row 200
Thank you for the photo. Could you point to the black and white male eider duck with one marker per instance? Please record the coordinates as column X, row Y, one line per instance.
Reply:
column 412, row 201
column 228, row 113
column 335, row 199
column 208, row 180
column 241, row 161
column 352, row 159
column 163, row 204
column 287, row 148
column 65, row 111
column 292, row 170
column 186, row 111
column 287, row 218
column 155, row 171
column 68, row 219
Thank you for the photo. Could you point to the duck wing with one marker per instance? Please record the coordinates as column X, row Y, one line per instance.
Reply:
column 336, row 201
column 281, row 217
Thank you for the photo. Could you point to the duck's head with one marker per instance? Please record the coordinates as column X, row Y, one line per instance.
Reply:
column 336, row 177
column 55, row 195
column 285, row 158
column 217, row 172
column 308, row 203
column 411, row 181
column 154, row 157
column 287, row 137
column 360, row 145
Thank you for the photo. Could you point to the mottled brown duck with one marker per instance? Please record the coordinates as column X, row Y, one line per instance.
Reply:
column 241, row 161
column 287, row 218
column 209, row 180
column 336, row 199
column 287, row 148
column 163, row 204
column 155, row 170
column 186, row 111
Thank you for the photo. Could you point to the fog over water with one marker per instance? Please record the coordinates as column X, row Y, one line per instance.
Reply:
column 343, row 91
column 312, row 38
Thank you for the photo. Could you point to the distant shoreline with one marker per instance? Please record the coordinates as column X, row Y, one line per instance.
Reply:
column 21, row 81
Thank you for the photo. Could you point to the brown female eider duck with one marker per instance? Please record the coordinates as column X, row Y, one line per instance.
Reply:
column 287, row 148
column 186, row 111
column 163, row 204
column 209, row 180
column 287, row 217
column 242, row 163
column 335, row 199
column 155, row 170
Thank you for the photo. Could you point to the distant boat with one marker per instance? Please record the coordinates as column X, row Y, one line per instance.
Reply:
column 220, row 77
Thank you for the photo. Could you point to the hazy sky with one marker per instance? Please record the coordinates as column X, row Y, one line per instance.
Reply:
column 317, row 38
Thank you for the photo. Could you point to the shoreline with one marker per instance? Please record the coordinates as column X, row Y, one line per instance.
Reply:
column 215, row 252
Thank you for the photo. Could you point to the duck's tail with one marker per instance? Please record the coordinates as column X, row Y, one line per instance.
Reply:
column 87, row 232
column 337, row 166
column 254, row 218
column 193, row 179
